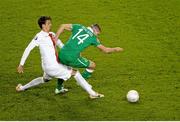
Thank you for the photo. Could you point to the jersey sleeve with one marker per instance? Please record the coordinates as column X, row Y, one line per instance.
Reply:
column 59, row 42
column 95, row 42
column 28, row 49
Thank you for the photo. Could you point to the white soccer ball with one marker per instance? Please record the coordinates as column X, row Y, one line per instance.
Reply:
column 132, row 96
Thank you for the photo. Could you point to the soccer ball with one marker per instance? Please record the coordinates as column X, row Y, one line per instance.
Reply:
column 132, row 96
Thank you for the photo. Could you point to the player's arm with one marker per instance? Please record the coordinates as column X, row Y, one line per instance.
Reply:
column 59, row 43
column 26, row 53
column 108, row 49
column 62, row 28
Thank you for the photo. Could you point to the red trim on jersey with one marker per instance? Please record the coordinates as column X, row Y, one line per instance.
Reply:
column 54, row 44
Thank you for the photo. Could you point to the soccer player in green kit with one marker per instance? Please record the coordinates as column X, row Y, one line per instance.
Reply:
column 81, row 38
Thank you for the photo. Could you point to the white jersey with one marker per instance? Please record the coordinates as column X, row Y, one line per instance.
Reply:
column 49, row 61
column 46, row 47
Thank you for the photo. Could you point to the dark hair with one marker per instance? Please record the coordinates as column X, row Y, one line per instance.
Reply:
column 96, row 26
column 42, row 20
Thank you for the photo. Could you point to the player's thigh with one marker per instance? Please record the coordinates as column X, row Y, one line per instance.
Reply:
column 46, row 77
column 62, row 71
column 80, row 62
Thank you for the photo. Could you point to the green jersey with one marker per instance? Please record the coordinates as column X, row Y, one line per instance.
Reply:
column 80, row 39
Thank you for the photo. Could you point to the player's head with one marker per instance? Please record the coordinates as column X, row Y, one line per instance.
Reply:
column 45, row 23
column 96, row 29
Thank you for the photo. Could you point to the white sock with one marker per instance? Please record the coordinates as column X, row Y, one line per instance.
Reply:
column 84, row 84
column 89, row 70
column 34, row 82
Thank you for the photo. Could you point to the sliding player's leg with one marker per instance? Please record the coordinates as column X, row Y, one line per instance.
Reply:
column 86, row 86
column 33, row 83
column 64, row 72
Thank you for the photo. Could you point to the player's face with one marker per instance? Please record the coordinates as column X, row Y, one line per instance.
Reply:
column 47, row 25
column 96, row 31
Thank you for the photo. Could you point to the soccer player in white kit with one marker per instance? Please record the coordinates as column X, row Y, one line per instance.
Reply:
column 50, row 63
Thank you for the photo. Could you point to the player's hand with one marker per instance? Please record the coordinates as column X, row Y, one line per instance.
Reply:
column 20, row 69
column 117, row 49
column 55, row 38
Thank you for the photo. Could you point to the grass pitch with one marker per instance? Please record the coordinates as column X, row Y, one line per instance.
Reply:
column 148, row 30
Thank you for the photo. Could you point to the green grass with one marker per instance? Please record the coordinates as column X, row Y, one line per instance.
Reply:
column 148, row 30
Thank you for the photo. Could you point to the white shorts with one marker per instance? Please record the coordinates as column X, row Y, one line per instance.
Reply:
column 57, row 71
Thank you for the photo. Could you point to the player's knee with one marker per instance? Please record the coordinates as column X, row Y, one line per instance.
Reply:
column 73, row 72
column 46, row 80
column 92, row 65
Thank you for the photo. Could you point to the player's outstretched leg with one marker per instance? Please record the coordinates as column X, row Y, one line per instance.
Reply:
column 32, row 83
column 84, row 84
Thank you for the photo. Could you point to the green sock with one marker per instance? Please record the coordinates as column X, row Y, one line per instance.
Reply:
column 86, row 74
column 60, row 84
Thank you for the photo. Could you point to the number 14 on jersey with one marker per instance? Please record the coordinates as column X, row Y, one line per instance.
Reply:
column 80, row 37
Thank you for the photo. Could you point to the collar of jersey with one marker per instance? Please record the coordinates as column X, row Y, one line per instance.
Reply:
column 90, row 29
column 44, row 33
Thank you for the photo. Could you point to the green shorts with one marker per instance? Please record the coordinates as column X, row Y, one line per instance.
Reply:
column 79, row 62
